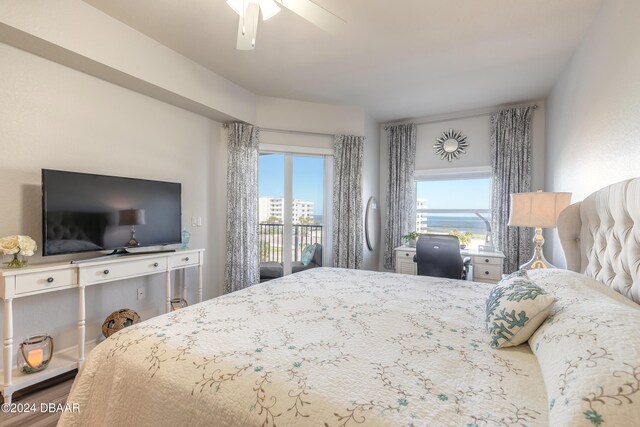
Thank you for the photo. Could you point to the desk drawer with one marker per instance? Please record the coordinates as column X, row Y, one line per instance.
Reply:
column 184, row 260
column 487, row 272
column 405, row 255
column 486, row 260
column 32, row 282
column 123, row 270
column 404, row 266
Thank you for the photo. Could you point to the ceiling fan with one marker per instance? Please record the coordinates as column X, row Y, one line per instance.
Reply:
column 250, row 10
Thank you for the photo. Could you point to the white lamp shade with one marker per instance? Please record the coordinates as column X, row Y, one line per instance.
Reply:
column 539, row 209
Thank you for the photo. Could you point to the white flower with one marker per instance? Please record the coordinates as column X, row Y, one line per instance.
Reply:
column 24, row 245
column 27, row 245
column 9, row 245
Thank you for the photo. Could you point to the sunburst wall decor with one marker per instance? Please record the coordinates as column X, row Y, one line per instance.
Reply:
column 451, row 144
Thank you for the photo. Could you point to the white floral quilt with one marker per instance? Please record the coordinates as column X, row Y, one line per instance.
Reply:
column 325, row 347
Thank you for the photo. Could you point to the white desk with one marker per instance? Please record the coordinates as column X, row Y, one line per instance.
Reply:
column 45, row 278
column 485, row 266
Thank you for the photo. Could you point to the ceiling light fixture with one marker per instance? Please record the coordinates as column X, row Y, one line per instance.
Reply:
column 250, row 10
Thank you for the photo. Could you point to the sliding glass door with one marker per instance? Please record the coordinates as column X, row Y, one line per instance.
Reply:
column 292, row 195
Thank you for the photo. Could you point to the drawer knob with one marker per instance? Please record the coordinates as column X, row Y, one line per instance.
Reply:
column 486, row 272
column 50, row 280
column 155, row 264
column 106, row 272
column 486, row 260
column 406, row 254
column 186, row 259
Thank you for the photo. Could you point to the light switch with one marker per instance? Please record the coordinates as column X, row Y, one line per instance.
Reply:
column 194, row 221
column 199, row 221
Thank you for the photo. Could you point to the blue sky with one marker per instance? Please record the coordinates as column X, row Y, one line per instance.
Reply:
column 456, row 194
column 308, row 173
column 308, row 183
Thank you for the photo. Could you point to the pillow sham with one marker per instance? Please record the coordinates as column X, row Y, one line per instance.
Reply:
column 589, row 353
column 514, row 309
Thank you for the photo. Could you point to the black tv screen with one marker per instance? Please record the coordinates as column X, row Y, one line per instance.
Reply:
column 85, row 212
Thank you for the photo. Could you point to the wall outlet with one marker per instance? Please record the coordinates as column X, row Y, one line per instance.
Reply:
column 141, row 293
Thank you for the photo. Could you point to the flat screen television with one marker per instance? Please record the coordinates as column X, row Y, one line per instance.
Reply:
column 85, row 212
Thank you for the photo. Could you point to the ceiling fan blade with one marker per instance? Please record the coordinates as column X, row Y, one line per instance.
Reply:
column 315, row 14
column 248, row 27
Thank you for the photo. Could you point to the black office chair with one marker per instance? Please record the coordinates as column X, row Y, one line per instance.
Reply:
column 439, row 256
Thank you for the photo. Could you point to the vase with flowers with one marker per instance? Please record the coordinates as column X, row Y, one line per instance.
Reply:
column 18, row 247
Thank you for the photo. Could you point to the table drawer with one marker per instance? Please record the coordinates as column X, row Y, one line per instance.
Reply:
column 405, row 255
column 486, row 260
column 122, row 270
column 487, row 272
column 33, row 282
column 183, row 260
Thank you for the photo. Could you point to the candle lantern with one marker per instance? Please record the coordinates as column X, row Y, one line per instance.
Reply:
column 35, row 353
column 178, row 303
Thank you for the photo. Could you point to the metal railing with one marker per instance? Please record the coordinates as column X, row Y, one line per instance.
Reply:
column 271, row 240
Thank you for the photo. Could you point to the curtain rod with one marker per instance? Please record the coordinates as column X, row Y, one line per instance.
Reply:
column 468, row 116
column 297, row 132
column 293, row 132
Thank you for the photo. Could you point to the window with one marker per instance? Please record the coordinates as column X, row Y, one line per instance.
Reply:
column 447, row 205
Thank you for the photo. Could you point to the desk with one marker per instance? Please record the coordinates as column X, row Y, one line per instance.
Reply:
column 485, row 266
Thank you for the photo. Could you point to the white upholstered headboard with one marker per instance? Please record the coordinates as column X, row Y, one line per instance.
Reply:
column 600, row 237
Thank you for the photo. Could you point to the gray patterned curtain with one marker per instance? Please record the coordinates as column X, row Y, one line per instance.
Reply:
column 511, row 173
column 401, row 201
column 243, row 264
column 347, row 201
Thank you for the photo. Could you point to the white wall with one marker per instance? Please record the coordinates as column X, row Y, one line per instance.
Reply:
column 476, row 126
column 54, row 117
column 593, row 114
column 371, row 187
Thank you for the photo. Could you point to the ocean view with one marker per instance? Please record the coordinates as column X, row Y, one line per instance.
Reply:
column 444, row 224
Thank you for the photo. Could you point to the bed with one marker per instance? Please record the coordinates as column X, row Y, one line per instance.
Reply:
column 339, row 347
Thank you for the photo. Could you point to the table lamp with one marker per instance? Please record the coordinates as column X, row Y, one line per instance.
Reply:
column 132, row 217
column 539, row 210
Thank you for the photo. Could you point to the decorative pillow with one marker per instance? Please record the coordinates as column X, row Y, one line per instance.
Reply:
column 307, row 254
column 515, row 308
column 589, row 353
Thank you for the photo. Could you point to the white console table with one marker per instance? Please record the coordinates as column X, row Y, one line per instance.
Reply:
column 45, row 278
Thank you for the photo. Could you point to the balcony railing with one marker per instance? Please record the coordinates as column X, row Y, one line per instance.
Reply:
column 271, row 240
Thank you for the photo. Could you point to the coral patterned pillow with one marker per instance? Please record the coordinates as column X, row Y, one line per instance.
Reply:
column 514, row 309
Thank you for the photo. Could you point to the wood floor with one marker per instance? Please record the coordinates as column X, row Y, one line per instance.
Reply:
column 56, row 393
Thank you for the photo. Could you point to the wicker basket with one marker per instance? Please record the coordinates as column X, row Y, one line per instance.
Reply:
column 119, row 320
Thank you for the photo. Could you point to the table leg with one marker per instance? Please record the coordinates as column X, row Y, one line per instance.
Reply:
column 8, row 349
column 81, row 324
column 167, row 307
column 199, row 282
column 183, row 273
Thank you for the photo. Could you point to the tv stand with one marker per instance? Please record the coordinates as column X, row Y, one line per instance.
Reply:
column 46, row 278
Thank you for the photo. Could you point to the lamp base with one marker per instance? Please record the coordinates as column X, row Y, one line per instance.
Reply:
column 538, row 260
column 133, row 243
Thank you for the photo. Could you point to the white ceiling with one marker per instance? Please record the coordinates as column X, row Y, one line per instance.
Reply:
column 396, row 59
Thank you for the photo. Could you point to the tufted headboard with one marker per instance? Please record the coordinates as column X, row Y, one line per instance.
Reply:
column 600, row 237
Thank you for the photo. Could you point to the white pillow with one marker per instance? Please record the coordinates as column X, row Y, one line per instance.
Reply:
column 589, row 353
column 514, row 309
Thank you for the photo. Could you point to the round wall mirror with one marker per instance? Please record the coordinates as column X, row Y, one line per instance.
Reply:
column 451, row 144
column 372, row 223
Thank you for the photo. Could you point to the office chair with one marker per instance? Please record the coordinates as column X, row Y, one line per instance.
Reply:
column 439, row 256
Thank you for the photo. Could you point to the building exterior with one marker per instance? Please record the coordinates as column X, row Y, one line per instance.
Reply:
column 421, row 217
column 273, row 207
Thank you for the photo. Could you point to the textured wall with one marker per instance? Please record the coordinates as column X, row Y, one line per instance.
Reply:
column 593, row 112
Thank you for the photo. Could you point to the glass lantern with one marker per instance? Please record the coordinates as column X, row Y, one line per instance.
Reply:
column 178, row 303
column 35, row 353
